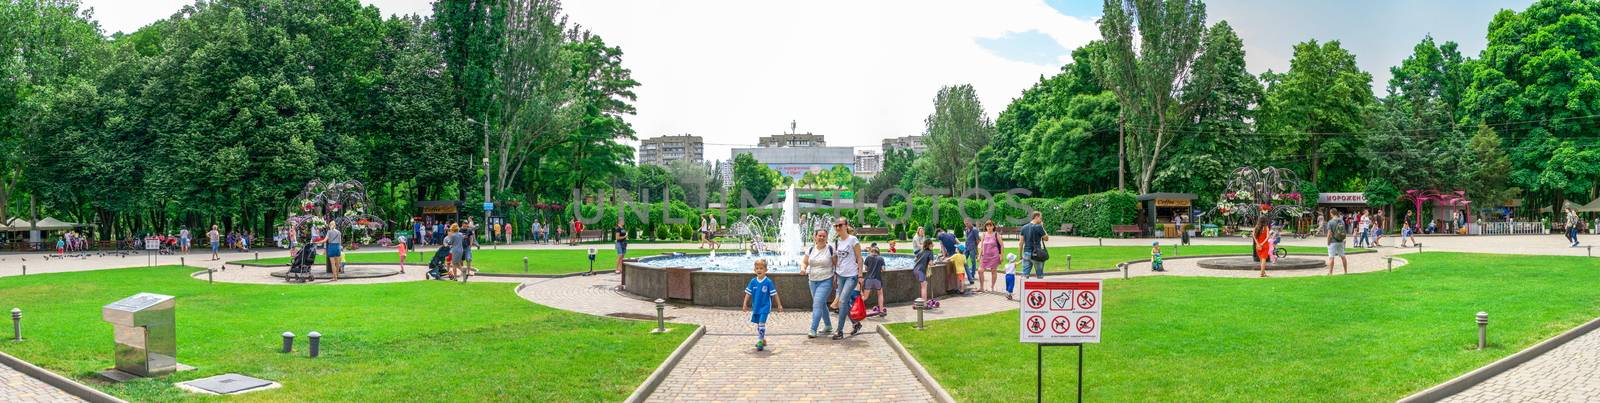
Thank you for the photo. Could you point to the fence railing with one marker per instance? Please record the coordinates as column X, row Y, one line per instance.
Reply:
column 1510, row 228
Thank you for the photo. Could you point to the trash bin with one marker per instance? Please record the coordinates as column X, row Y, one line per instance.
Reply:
column 146, row 334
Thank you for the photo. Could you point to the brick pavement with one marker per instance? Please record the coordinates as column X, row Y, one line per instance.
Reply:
column 20, row 388
column 725, row 367
column 1568, row 373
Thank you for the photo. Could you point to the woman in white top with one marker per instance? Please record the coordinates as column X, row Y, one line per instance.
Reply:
column 817, row 266
column 848, row 267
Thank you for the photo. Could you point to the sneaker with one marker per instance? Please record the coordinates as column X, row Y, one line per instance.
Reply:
column 838, row 336
column 761, row 345
column 855, row 329
column 811, row 335
column 827, row 330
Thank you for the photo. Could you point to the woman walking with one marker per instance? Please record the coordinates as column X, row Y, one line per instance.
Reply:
column 1263, row 248
column 848, row 268
column 989, row 248
column 817, row 266
column 332, row 240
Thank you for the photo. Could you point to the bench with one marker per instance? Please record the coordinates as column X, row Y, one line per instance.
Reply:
column 1126, row 229
column 590, row 234
column 1014, row 232
column 1066, row 228
column 872, row 231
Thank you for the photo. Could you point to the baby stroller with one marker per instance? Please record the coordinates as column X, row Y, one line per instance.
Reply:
column 300, row 266
column 437, row 267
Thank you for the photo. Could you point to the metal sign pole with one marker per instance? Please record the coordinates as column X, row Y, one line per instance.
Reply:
column 1038, row 391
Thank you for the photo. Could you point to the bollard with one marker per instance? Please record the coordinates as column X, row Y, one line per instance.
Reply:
column 661, row 318
column 1124, row 267
column 258, row 257
column 182, row 261
column 16, row 324
column 918, row 305
column 288, row 342
column 1101, row 240
column 1391, row 262
column 316, row 343
column 208, row 276
column 524, row 264
column 24, row 270
column 1590, row 249
column 1069, row 263
column 1483, row 329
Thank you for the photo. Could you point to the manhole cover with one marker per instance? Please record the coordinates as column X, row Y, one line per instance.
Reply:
column 228, row 384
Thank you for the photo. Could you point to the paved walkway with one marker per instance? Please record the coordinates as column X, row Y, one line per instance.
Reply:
column 1569, row 373
column 20, row 388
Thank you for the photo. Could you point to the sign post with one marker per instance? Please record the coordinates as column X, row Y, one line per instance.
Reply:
column 1059, row 313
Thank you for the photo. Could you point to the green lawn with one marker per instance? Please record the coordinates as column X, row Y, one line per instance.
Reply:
column 381, row 342
column 1107, row 257
column 1368, row 337
column 540, row 261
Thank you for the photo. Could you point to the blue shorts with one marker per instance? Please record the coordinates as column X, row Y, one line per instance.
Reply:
column 758, row 317
column 334, row 250
column 213, row 247
column 622, row 249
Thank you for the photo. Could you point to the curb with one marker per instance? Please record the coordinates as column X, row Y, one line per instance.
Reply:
column 66, row 385
column 923, row 377
column 649, row 386
column 1473, row 378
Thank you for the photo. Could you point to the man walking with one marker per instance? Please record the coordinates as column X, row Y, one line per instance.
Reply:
column 1033, row 238
column 183, row 239
column 1572, row 226
column 216, row 241
column 972, row 249
column 1336, row 236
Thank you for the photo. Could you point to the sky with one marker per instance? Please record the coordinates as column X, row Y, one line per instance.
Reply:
column 857, row 71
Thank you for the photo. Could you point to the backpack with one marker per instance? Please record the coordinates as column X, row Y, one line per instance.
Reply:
column 1337, row 233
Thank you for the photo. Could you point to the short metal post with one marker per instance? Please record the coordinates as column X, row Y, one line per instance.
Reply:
column 1124, row 267
column 288, row 342
column 16, row 324
column 209, row 272
column 524, row 264
column 24, row 270
column 183, row 261
column 1483, row 329
column 1101, row 240
column 919, row 305
column 661, row 318
column 316, row 344
column 1590, row 249
column 1069, row 263
column 258, row 257
column 1391, row 262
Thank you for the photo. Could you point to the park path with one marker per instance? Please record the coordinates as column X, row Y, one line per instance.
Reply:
column 1568, row 373
column 21, row 388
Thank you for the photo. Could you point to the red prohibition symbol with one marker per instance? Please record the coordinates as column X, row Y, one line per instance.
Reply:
column 1085, row 324
column 1036, row 324
column 1060, row 324
column 1086, row 300
column 1036, row 299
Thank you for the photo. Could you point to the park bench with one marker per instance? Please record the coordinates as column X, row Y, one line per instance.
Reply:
column 1121, row 230
column 1014, row 232
column 1066, row 228
column 872, row 231
column 590, row 234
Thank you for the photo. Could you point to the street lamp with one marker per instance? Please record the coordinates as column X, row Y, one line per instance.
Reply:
column 486, row 199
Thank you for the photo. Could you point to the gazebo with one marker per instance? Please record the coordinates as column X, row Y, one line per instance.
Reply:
column 1455, row 200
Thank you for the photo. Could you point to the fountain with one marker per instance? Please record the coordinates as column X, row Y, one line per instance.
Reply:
column 1261, row 194
column 714, row 279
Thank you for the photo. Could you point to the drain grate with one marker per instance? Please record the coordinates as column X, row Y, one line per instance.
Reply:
column 228, row 384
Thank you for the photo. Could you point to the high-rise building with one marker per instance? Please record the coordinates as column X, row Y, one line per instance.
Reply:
column 665, row 149
column 868, row 162
column 914, row 143
column 793, row 154
column 725, row 171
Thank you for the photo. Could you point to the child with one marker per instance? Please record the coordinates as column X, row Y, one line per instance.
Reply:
column 1011, row 275
column 958, row 262
column 920, row 269
column 764, row 295
column 1273, row 238
column 891, row 247
column 61, row 246
column 1155, row 257
column 872, row 280
column 402, row 252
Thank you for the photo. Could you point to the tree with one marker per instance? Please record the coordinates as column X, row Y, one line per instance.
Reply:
column 694, row 178
column 1488, row 173
column 1059, row 137
column 535, row 89
column 895, row 164
column 955, row 132
column 1147, row 81
column 1539, row 78
column 1314, row 110
column 753, row 178
column 1222, row 95
column 1415, row 142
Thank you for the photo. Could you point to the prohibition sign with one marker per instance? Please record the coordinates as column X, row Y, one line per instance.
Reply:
column 1085, row 324
column 1085, row 300
column 1036, row 299
column 1060, row 325
column 1036, row 324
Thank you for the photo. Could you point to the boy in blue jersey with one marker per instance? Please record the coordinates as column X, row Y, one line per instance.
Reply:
column 764, row 296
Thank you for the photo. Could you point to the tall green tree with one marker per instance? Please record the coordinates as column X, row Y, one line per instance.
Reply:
column 1223, row 96
column 1315, row 111
column 1415, row 142
column 1487, row 176
column 1539, row 81
column 1150, row 48
column 1059, row 137
column 956, row 130
column 752, row 178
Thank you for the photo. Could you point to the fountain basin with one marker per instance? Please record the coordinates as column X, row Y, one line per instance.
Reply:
column 1246, row 263
column 726, row 289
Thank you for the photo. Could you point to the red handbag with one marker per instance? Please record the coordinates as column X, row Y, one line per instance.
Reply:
column 858, row 309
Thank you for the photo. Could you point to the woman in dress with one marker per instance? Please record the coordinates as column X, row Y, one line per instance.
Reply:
column 989, row 247
column 1263, row 249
